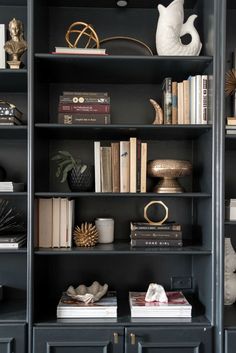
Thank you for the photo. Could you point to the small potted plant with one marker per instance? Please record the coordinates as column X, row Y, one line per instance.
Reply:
column 80, row 177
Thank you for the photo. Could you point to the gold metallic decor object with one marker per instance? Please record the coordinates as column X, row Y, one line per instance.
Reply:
column 159, row 118
column 16, row 46
column 158, row 203
column 86, row 235
column 82, row 34
column 168, row 170
column 230, row 82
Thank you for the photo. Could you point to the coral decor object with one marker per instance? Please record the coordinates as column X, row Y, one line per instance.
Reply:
column 86, row 235
column 230, row 82
column 89, row 294
column 170, row 29
column 156, row 293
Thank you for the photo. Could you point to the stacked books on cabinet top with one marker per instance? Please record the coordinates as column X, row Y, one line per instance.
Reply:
column 9, row 114
column 177, row 306
column 149, row 235
column 12, row 241
column 80, row 51
column 120, row 167
column 55, row 222
column 83, row 108
column 9, row 186
column 187, row 102
column 106, row 307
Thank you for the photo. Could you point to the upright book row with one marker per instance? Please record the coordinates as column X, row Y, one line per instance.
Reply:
column 187, row 102
column 120, row 167
column 55, row 222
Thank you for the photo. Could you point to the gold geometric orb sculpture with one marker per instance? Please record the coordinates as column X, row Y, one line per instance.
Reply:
column 82, row 35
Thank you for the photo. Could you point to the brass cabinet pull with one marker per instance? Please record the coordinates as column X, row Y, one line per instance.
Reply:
column 132, row 338
column 116, row 338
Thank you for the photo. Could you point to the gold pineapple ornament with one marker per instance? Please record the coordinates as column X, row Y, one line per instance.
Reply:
column 86, row 235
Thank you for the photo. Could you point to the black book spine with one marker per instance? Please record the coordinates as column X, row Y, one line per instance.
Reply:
column 155, row 243
column 150, row 227
column 167, row 235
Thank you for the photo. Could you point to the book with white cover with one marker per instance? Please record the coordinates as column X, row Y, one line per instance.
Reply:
column 97, row 166
column 133, row 164
column 180, row 103
column 71, row 204
column 177, row 306
column 143, row 182
column 56, row 211
column 192, row 80
column 124, row 166
column 45, row 223
column 14, row 245
column 204, row 99
column 86, row 51
column 198, row 99
column 2, row 43
column 64, row 224
column 72, row 308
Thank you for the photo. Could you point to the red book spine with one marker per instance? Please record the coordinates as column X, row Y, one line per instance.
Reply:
column 84, row 108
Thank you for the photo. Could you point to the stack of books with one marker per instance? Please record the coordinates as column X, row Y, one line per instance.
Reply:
column 9, row 114
column 106, row 307
column 231, row 126
column 83, row 108
column 121, row 167
column 80, row 51
column 148, row 235
column 177, row 306
column 187, row 102
column 12, row 241
column 9, row 186
column 55, row 222
column 230, row 210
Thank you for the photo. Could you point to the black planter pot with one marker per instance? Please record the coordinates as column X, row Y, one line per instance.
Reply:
column 81, row 182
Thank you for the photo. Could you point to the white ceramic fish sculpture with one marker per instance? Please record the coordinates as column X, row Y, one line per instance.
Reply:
column 170, row 29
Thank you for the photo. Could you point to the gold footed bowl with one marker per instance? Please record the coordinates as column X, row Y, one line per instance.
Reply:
column 169, row 170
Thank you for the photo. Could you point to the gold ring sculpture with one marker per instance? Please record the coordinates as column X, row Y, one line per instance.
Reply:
column 86, row 31
column 159, row 203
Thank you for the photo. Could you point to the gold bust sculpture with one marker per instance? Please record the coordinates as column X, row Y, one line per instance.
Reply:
column 16, row 46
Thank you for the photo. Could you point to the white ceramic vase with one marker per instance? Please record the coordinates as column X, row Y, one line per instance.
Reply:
column 170, row 29
column 230, row 276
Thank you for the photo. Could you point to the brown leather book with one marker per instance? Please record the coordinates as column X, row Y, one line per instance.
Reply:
column 106, row 179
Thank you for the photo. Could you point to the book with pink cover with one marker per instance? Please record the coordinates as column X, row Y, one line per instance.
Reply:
column 177, row 306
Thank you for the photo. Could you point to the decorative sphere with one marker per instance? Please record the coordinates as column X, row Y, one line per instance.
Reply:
column 81, row 35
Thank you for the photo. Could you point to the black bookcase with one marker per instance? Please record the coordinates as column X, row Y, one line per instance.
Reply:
column 38, row 276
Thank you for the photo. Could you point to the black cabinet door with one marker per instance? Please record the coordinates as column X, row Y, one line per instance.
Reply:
column 12, row 338
column 230, row 341
column 168, row 340
column 78, row 340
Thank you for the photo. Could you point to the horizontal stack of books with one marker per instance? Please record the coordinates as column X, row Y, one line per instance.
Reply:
column 121, row 167
column 187, row 102
column 106, row 307
column 177, row 306
column 148, row 235
column 80, row 51
column 82, row 108
column 231, row 126
column 9, row 186
column 12, row 241
column 9, row 114
column 55, row 222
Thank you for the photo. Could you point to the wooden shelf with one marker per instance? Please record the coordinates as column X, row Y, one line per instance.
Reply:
column 115, row 131
column 13, row 132
column 132, row 69
column 123, row 248
column 12, row 311
column 13, row 80
column 108, row 3
column 124, row 195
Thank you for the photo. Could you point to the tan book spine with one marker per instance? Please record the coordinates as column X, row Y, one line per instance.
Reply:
column 45, row 223
column 115, row 166
column 106, row 178
column 186, row 112
column 174, row 103
column 56, row 205
column 133, row 164
column 180, row 102
column 124, row 166
column 63, row 224
column 143, row 167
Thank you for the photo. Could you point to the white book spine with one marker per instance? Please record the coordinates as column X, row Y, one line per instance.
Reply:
column 56, row 205
column 97, row 166
column 143, row 167
column 2, row 43
column 204, row 99
column 192, row 100
column 180, row 103
column 198, row 99
column 124, row 166
column 133, row 164
column 63, row 224
column 70, row 222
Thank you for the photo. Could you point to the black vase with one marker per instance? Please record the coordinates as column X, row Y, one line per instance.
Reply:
column 81, row 182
